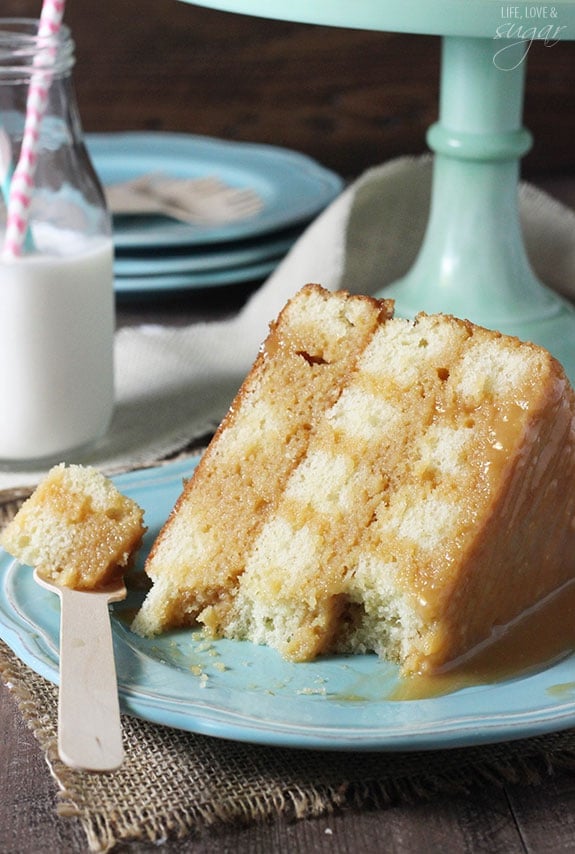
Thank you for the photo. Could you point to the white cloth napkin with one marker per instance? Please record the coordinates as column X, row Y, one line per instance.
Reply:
column 175, row 385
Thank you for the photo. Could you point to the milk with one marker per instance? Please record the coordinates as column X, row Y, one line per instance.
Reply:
column 56, row 348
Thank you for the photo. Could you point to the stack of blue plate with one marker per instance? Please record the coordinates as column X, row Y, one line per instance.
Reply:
column 155, row 253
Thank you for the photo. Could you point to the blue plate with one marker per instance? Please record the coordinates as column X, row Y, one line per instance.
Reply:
column 231, row 257
column 240, row 691
column 293, row 188
column 185, row 281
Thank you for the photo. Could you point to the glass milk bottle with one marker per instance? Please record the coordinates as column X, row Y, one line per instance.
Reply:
column 56, row 294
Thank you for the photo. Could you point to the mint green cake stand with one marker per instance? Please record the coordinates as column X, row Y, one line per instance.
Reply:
column 472, row 262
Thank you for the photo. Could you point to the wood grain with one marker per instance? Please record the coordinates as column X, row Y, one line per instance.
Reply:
column 537, row 819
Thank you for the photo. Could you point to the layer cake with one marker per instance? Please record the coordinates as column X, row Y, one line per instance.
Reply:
column 379, row 484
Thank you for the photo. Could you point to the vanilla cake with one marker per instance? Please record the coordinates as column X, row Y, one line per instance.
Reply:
column 402, row 489
column 76, row 528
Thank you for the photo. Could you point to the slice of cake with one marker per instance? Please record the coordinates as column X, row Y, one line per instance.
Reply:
column 76, row 528
column 432, row 498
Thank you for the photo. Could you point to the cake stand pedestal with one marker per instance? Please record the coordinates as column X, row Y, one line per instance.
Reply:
column 473, row 261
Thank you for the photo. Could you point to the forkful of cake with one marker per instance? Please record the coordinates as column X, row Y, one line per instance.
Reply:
column 80, row 534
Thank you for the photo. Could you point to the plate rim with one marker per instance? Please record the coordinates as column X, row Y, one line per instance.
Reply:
column 240, row 254
column 162, row 284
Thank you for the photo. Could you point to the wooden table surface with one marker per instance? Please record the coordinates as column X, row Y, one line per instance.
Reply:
column 350, row 99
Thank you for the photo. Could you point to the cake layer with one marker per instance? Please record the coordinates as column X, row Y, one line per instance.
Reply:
column 460, row 532
column 300, row 371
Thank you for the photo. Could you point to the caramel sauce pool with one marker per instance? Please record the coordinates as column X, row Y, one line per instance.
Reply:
column 537, row 639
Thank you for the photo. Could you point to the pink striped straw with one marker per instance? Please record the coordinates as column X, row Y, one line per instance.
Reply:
column 22, row 183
